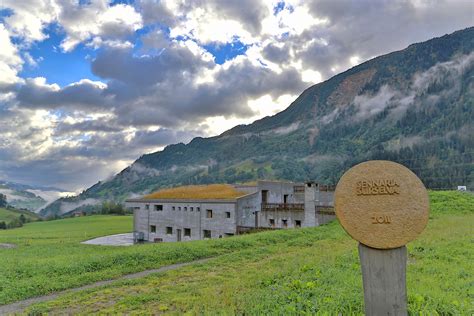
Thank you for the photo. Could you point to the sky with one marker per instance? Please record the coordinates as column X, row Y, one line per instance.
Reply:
column 88, row 86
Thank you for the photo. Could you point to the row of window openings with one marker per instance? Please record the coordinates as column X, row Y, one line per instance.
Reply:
column 208, row 212
column 265, row 197
column 187, row 231
column 169, row 230
column 284, row 223
column 160, row 208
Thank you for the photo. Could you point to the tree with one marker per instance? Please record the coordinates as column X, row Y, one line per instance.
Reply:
column 3, row 200
column 15, row 223
column 110, row 207
column 22, row 219
column 3, row 225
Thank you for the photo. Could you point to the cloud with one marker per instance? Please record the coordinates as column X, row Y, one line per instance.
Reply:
column 370, row 28
column 239, row 10
column 173, row 64
column 275, row 54
column 368, row 105
column 162, row 137
column 442, row 81
column 210, row 21
column 29, row 18
column 82, row 22
column 10, row 61
column 85, row 94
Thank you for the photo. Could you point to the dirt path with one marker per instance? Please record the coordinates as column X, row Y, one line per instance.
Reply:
column 19, row 306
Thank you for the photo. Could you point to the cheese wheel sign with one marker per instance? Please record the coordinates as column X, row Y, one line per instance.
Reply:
column 382, row 204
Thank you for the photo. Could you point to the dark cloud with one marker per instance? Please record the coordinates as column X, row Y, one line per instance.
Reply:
column 275, row 54
column 370, row 28
column 83, row 95
column 60, row 172
column 173, row 105
column 98, row 125
column 249, row 12
column 156, row 40
column 154, row 12
column 172, row 64
column 163, row 137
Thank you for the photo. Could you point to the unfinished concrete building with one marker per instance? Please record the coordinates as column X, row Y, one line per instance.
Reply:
column 216, row 211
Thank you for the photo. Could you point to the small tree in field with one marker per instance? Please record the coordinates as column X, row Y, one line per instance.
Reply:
column 3, row 200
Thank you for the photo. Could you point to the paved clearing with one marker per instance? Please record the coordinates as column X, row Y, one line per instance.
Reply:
column 7, row 246
column 112, row 240
column 18, row 307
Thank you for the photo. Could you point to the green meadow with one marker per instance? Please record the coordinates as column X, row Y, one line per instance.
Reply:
column 297, row 271
column 9, row 215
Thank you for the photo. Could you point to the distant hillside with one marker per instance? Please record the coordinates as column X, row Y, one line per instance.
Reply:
column 32, row 198
column 414, row 106
column 22, row 199
column 11, row 216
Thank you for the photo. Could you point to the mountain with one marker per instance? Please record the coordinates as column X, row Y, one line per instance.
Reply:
column 413, row 106
column 21, row 198
column 32, row 198
column 25, row 187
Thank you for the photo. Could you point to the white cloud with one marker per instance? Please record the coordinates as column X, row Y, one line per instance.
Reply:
column 208, row 27
column 311, row 76
column 30, row 17
column 98, row 21
column 10, row 61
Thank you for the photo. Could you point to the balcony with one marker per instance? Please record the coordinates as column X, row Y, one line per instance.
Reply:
column 267, row 207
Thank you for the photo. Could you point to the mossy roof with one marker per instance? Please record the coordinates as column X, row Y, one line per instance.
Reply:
column 198, row 192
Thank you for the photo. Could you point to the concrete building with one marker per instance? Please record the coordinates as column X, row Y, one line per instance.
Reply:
column 218, row 211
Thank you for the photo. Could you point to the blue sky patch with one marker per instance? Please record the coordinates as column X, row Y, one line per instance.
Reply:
column 229, row 51
column 279, row 7
column 4, row 13
column 57, row 66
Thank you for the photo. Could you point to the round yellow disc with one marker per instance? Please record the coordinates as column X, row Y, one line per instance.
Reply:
column 382, row 204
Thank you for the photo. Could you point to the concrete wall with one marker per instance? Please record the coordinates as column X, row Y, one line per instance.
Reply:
column 192, row 214
column 276, row 191
column 322, row 219
column 247, row 206
column 279, row 217
column 184, row 215
column 246, row 188
column 311, row 195
column 326, row 198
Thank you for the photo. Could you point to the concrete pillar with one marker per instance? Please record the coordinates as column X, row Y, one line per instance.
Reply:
column 384, row 278
column 310, row 198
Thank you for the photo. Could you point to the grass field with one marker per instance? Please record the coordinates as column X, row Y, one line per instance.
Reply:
column 313, row 270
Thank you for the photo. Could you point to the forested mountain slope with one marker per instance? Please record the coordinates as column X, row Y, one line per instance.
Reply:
column 414, row 106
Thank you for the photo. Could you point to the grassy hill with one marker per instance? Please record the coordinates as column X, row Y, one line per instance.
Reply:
column 293, row 271
column 8, row 215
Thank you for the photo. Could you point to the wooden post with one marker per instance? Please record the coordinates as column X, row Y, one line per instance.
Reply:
column 383, row 205
column 384, row 279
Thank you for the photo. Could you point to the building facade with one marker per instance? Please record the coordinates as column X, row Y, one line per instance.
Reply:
column 267, row 204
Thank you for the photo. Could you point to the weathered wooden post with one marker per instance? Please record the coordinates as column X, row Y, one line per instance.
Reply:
column 383, row 205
